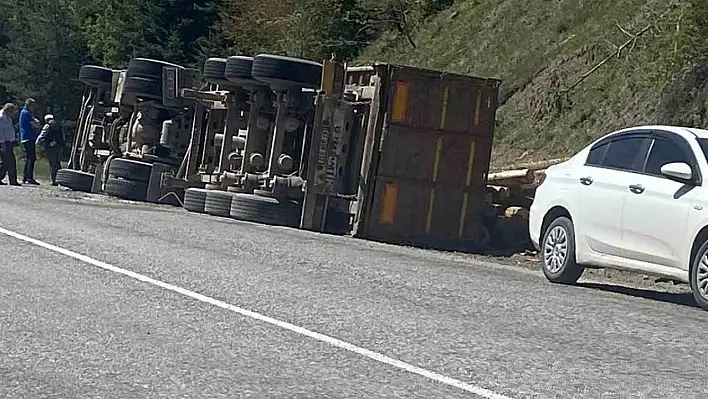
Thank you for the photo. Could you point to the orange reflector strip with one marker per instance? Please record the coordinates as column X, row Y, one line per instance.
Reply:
column 400, row 101
column 390, row 201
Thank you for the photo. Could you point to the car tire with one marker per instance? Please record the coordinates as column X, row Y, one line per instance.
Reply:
column 558, row 252
column 218, row 203
column 195, row 199
column 95, row 76
column 699, row 276
column 130, row 169
column 126, row 189
column 75, row 180
column 238, row 70
column 214, row 70
column 285, row 72
column 265, row 210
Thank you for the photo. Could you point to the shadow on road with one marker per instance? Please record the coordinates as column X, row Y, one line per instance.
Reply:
column 683, row 299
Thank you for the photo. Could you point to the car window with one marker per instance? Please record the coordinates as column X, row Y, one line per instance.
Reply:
column 663, row 152
column 704, row 147
column 597, row 154
column 627, row 153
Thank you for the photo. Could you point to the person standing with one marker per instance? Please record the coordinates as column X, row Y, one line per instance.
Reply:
column 52, row 139
column 8, row 164
column 28, row 136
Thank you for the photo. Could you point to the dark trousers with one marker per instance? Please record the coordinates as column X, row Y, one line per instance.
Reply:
column 30, row 159
column 54, row 157
column 8, row 164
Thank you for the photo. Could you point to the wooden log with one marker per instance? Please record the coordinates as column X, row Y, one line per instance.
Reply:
column 518, row 175
column 537, row 164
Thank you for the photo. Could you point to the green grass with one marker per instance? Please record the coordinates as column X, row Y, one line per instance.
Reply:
column 41, row 167
column 539, row 48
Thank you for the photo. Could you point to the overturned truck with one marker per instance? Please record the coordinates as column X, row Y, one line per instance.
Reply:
column 384, row 152
column 130, row 130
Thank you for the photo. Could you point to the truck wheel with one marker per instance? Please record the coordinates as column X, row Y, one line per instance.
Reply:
column 699, row 276
column 266, row 210
column 95, row 76
column 147, row 68
column 558, row 250
column 285, row 72
column 218, row 203
column 238, row 70
column 146, row 88
column 75, row 180
column 126, row 189
column 130, row 169
column 214, row 69
column 194, row 199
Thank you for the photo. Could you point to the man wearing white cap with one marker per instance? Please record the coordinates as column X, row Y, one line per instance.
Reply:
column 52, row 139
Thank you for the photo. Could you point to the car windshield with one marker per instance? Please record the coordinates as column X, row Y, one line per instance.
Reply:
column 704, row 146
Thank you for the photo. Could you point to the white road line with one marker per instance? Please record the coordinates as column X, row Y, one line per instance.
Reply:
column 479, row 391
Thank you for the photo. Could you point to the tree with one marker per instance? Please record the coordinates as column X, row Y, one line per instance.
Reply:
column 118, row 30
column 42, row 53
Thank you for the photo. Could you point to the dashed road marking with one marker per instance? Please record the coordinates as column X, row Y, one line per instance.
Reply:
column 381, row 358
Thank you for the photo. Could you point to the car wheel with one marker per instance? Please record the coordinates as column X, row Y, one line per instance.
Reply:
column 699, row 276
column 558, row 251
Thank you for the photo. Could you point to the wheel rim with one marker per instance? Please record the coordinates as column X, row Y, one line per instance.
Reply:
column 555, row 250
column 702, row 276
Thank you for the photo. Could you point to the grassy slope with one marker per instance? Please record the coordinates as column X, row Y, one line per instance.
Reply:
column 539, row 48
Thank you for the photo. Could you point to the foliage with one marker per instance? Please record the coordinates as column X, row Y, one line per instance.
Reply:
column 41, row 53
column 538, row 48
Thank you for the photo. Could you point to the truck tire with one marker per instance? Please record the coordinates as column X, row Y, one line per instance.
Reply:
column 238, row 70
column 147, row 68
column 126, row 189
column 95, row 76
column 285, row 72
column 145, row 88
column 214, row 69
column 75, row 180
column 266, row 210
column 130, row 169
column 195, row 199
column 218, row 203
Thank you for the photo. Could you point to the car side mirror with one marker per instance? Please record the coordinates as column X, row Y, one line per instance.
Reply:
column 679, row 171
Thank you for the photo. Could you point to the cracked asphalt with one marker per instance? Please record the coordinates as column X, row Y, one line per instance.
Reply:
column 71, row 330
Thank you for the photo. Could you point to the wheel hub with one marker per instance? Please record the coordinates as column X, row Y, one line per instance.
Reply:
column 556, row 250
column 702, row 276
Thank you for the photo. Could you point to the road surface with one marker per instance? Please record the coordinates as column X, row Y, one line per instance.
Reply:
column 100, row 298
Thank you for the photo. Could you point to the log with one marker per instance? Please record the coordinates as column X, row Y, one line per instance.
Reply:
column 523, row 176
column 534, row 165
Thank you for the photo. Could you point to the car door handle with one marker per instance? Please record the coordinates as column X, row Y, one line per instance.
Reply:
column 586, row 181
column 636, row 188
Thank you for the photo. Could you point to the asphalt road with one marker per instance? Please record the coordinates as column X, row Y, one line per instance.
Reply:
column 69, row 329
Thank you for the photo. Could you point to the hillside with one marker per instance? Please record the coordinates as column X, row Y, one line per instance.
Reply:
column 541, row 48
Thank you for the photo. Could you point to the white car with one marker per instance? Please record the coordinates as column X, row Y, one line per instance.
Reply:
column 636, row 200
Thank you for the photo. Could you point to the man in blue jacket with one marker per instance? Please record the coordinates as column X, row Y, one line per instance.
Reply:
column 28, row 136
